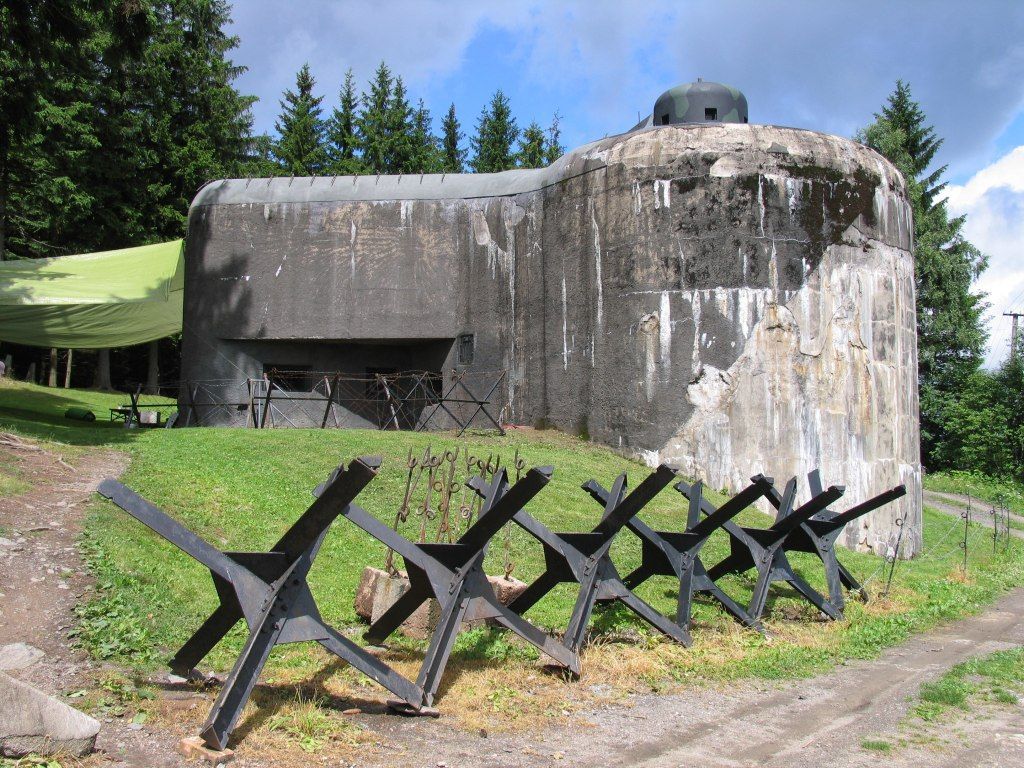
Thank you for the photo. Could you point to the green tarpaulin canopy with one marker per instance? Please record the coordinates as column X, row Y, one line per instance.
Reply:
column 94, row 300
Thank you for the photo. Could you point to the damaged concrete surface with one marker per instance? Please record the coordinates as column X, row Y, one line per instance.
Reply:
column 729, row 298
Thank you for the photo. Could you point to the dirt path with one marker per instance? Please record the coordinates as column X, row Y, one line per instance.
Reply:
column 954, row 505
column 42, row 577
column 808, row 723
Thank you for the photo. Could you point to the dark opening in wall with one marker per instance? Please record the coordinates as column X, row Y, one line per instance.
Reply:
column 665, row 118
column 466, row 349
column 289, row 376
column 710, row 113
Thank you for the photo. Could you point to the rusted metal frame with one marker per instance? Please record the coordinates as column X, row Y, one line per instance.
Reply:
column 403, row 399
column 190, row 393
column 584, row 558
column 251, row 417
column 480, row 404
column 265, row 411
column 441, row 403
column 269, row 590
column 677, row 554
column 329, row 408
column 819, row 534
column 764, row 550
column 282, row 393
column 453, row 575
column 390, row 402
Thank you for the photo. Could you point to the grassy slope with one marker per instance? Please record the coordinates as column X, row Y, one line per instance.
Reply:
column 242, row 488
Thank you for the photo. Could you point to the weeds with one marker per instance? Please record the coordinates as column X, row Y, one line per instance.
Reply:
column 877, row 745
column 305, row 720
column 995, row 679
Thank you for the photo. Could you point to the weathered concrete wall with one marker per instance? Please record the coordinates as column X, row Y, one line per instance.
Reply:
column 730, row 298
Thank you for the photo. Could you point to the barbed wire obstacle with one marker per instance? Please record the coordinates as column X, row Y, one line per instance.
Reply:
column 401, row 400
column 764, row 549
column 453, row 575
column 818, row 536
column 677, row 553
column 583, row 558
column 268, row 590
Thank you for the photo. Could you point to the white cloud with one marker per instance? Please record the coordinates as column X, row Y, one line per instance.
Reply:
column 826, row 66
column 993, row 200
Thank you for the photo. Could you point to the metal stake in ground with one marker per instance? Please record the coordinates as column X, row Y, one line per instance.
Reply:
column 674, row 553
column 583, row 558
column 268, row 590
column 453, row 575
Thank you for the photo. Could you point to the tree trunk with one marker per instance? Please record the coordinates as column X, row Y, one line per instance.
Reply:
column 31, row 375
column 5, row 144
column 102, row 380
column 67, row 371
column 51, row 376
column 153, row 376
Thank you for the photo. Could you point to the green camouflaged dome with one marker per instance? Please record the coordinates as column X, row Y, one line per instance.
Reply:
column 700, row 102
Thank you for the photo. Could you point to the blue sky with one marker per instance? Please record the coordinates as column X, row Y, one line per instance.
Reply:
column 820, row 65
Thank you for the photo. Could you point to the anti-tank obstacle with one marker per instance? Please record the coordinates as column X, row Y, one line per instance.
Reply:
column 677, row 553
column 453, row 575
column 269, row 590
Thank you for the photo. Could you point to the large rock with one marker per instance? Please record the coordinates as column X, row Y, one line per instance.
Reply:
column 32, row 722
column 378, row 591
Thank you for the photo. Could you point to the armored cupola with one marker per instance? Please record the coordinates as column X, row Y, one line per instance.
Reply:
column 700, row 102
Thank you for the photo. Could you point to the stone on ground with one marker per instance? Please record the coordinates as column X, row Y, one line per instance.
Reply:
column 33, row 723
column 378, row 591
column 19, row 656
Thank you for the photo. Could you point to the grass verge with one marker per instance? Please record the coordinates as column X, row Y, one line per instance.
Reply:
column 241, row 489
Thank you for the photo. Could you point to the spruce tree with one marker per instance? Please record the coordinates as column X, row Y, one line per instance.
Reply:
column 373, row 120
column 342, row 141
column 531, row 147
column 398, row 134
column 453, row 158
column 496, row 134
column 201, row 121
column 301, row 144
column 554, row 149
column 950, row 334
column 425, row 155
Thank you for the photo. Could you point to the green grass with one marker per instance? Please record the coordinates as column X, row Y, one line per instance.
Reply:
column 988, row 489
column 36, row 411
column 994, row 679
column 242, row 488
column 877, row 745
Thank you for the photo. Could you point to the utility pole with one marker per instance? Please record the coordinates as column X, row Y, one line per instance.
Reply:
column 1015, row 328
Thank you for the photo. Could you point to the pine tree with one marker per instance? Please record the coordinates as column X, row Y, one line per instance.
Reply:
column 554, row 149
column 398, row 132
column 425, row 156
column 496, row 134
column 453, row 158
column 531, row 147
column 950, row 334
column 372, row 122
column 301, row 147
column 342, row 141
column 48, row 53
column 203, row 125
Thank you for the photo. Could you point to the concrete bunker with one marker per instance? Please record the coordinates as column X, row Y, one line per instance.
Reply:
column 726, row 296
